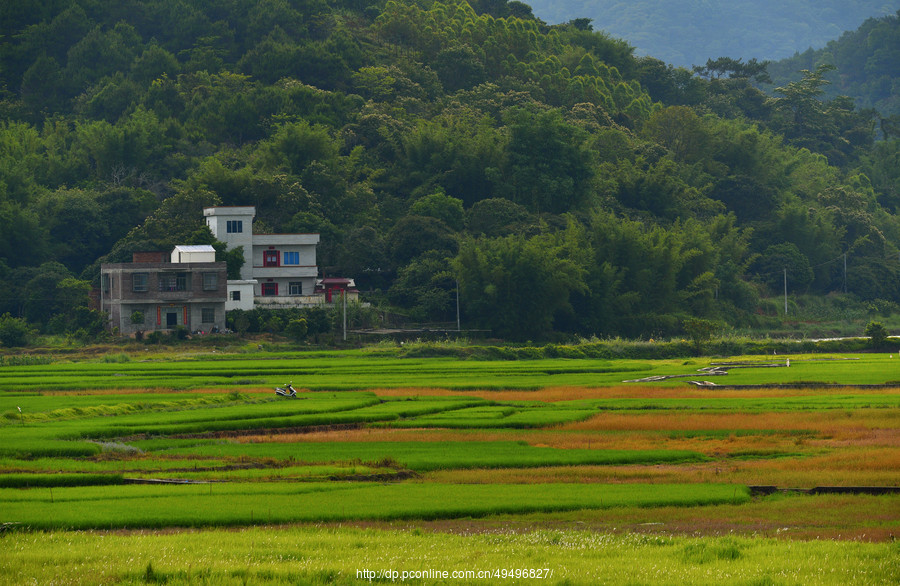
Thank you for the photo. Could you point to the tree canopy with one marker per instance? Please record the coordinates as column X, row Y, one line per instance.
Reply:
column 563, row 183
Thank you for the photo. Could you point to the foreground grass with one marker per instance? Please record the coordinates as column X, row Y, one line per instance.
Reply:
column 318, row 555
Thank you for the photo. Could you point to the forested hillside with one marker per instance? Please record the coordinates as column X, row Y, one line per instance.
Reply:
column 866, row 65
column 567, row 185
column 688, row 32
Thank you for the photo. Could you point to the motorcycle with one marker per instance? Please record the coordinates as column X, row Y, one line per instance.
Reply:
column 287, row 391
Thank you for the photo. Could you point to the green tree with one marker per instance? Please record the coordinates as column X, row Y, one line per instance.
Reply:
column 318, row 322
column 459, row 67
column 415, row 235
column 14, row 331
column 426, row 288
column 644, row 278
column 731, row 68
column 675, row 86
column 363, row 254
column 43, row 87
column 800, row 106
column 100, row 53
column 498, row 217
column 547, row 167
column 76, row 227
column 460, row 151
column 784, row 261
column 515, row 285
column 877, row 334
column 234, row 261
column 699, row 331
column 23, row 238
column 294, row 146
column 40, row 293
column 297, row 329
column 681, row 131
column 154, row 63
column 441, row 206
column 72, row 294
column 833, row 128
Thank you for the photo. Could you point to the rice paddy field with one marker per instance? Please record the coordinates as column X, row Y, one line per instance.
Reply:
column 184, row 469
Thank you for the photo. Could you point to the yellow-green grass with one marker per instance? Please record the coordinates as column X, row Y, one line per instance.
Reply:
column 340, row 555
column 21, row 408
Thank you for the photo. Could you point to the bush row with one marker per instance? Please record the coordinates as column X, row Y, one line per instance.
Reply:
column 642, row 350
column 51, row 480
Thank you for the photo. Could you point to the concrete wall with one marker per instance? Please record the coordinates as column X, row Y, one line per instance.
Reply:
column 120, row 300
column 217, row 219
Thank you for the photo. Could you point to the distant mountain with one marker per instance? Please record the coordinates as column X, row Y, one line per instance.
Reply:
column 688, row 32
column 866, row 61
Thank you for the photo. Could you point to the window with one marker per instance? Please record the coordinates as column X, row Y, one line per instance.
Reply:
column 235, row 295
column 296, row 288
column 173, row 282
column 210, row 281
column 208, row 315
column 292, row 258
column 269, row 289
column 270, row 258
column 234, row 226
column 139, row 282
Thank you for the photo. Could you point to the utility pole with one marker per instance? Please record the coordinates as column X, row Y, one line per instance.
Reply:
column 845, row 272
column 344, row 298
column 785, row 291
column 457, row 306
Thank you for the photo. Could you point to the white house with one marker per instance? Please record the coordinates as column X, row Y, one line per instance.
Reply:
column 193, row 253
column 240, row 294
column 279, row 269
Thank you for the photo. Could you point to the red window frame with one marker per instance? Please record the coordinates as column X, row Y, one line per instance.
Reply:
column 269, row 289
column 271, row 258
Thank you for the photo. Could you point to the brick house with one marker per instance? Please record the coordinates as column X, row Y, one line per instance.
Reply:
column 162, row 291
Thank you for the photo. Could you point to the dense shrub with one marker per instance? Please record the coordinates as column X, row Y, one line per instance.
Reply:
column 14, row 331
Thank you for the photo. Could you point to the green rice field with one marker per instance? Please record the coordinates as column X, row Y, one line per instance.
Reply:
column 361, row 370
column 131, row 471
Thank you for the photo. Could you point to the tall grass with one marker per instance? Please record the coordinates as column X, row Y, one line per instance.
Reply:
column 312, row 555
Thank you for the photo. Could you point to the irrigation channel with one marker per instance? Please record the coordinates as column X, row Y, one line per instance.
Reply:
column 722, row 369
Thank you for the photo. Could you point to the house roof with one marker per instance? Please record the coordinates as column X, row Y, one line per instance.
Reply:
column 195, row 248
column 336, row 282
